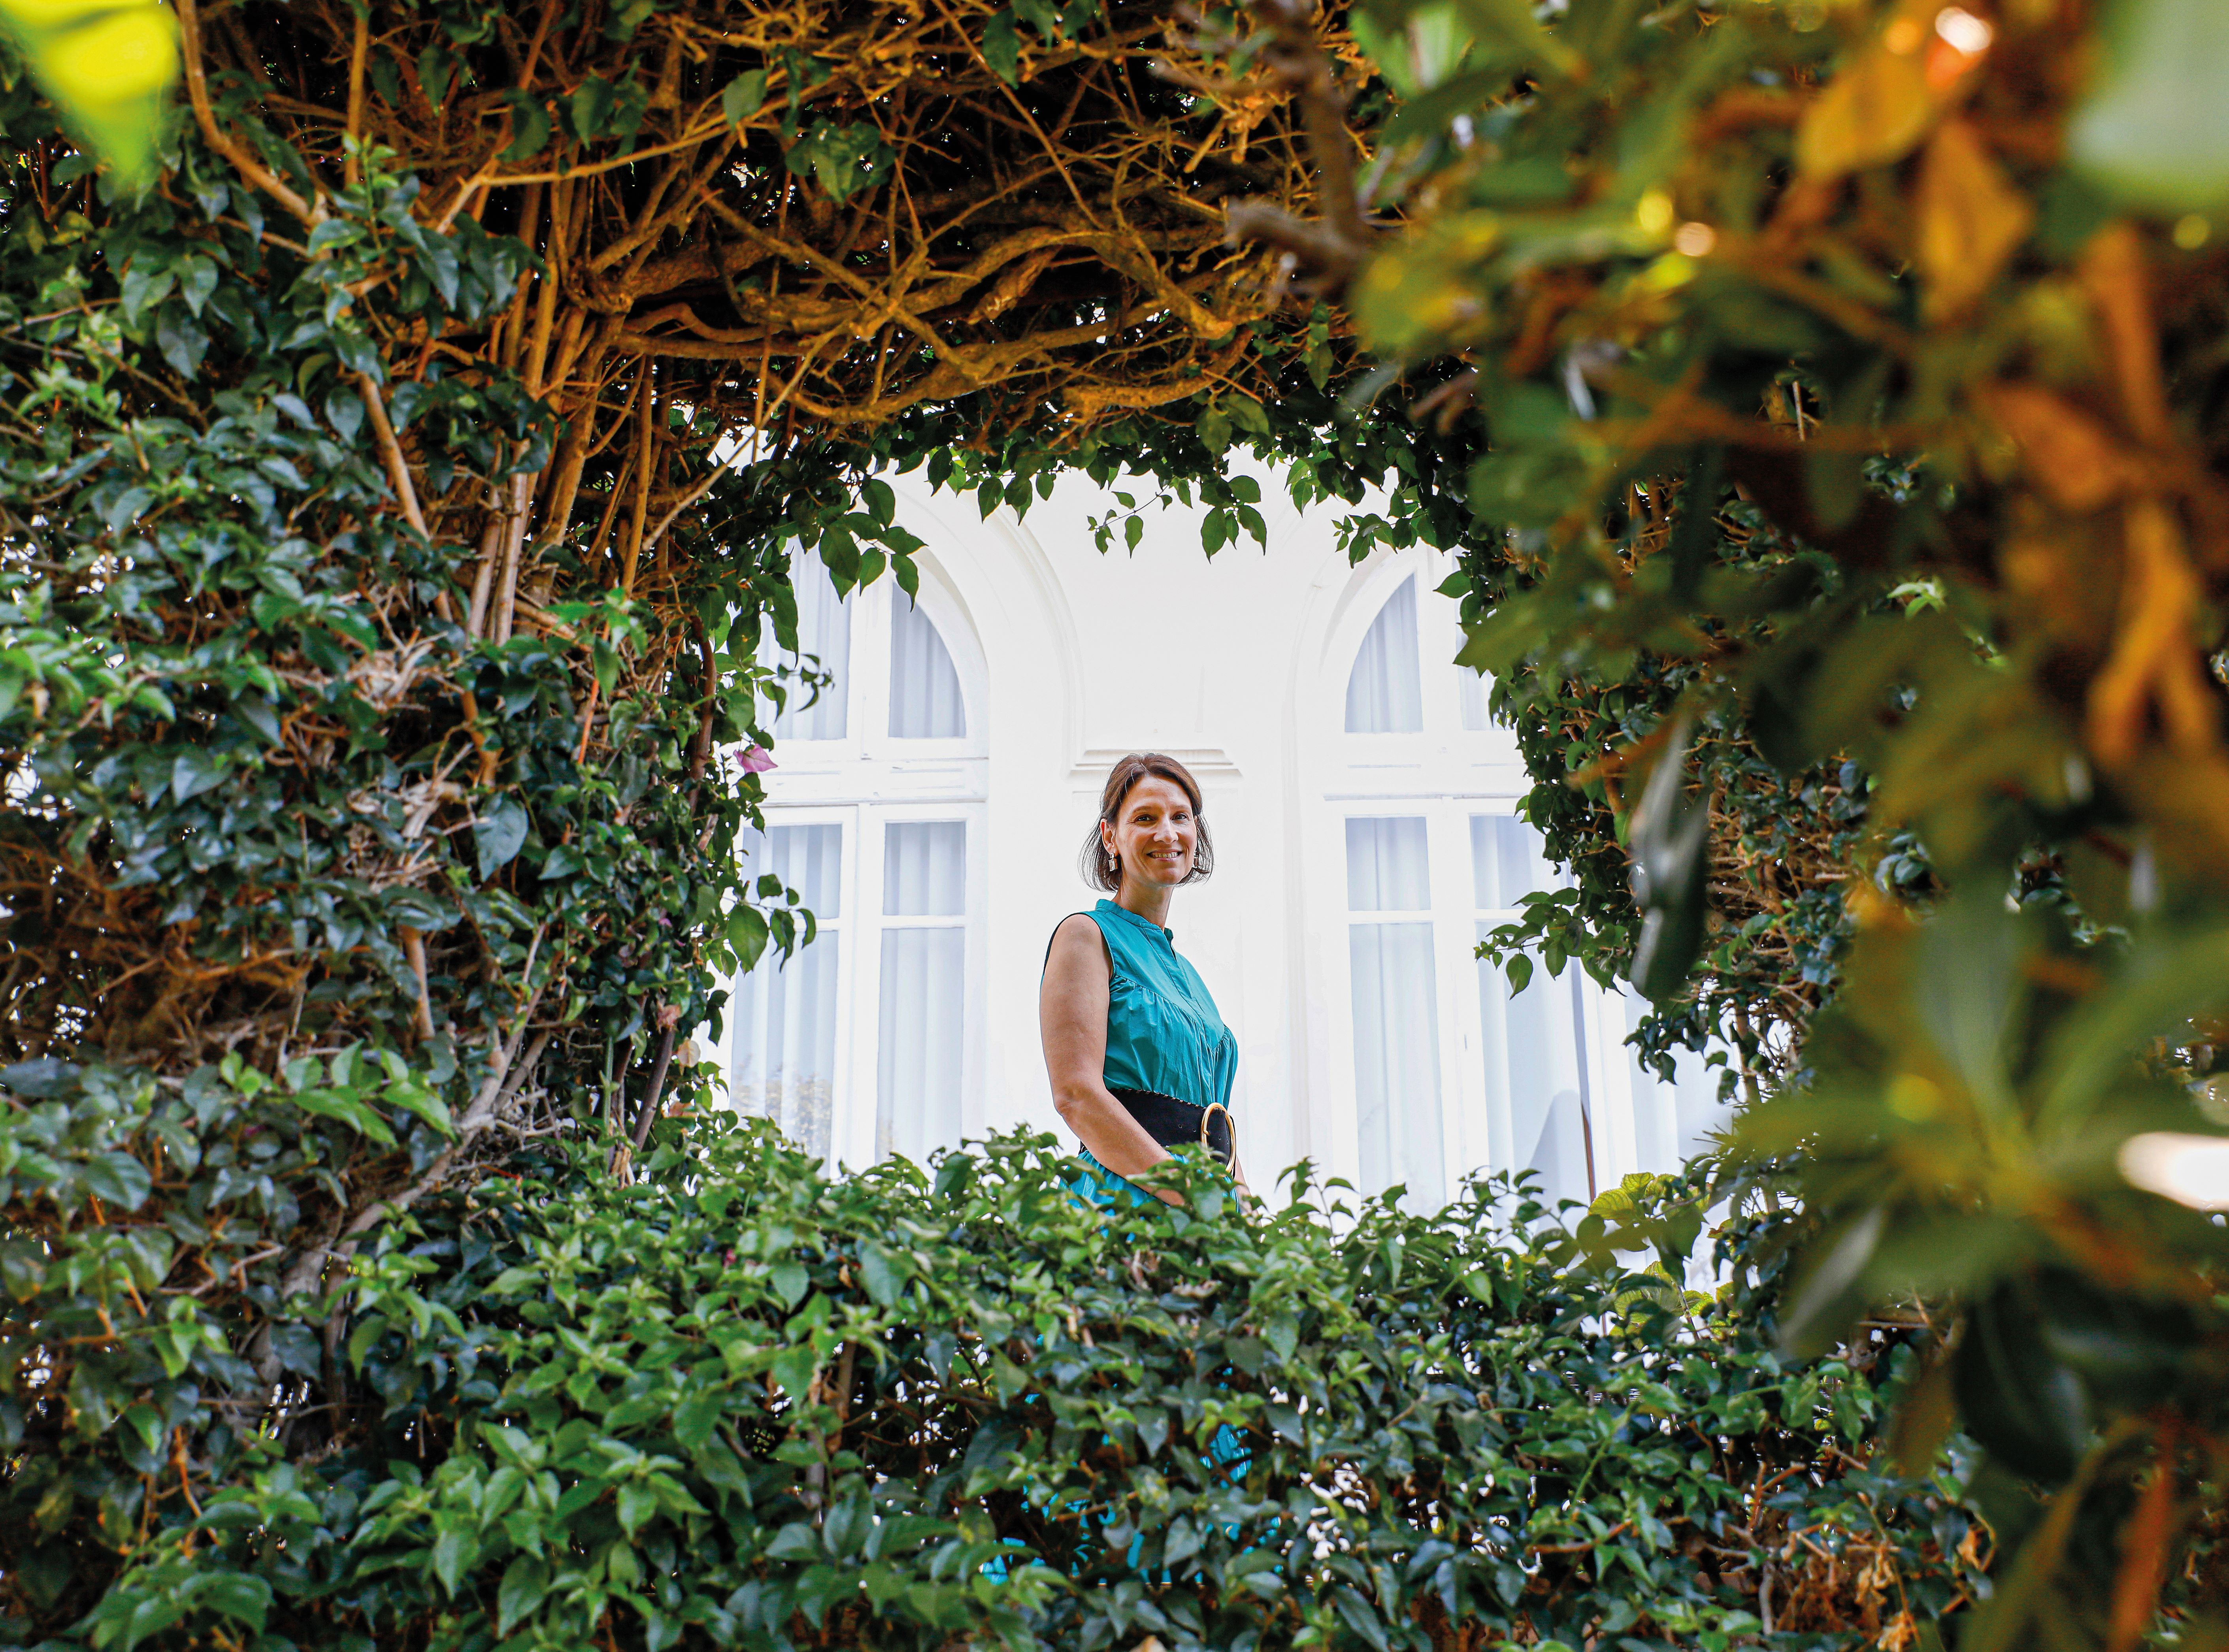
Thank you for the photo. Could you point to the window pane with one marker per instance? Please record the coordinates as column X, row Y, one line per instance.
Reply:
column 808, row 859
column 924, row 688
column 1385, row 865
column 1475, row 716
column 1536, row 1067
column 1508, row 860
column 1396, row 1068
column 1383, row 693
column 823, row 631
column 782, row 1043
column 923, row 979
column 782, row 1018
column 925, row 869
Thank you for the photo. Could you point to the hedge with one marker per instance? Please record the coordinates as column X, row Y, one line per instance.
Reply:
column 745, row 1403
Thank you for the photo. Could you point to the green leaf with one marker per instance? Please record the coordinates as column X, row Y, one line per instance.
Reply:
column 744, row 97
column 530, row 127
column 1002, row 47
column 792, row 1371
column 146, row 1422
column 525, row 1582
column 1361, row 1616
column 358, row 1116
column 117, row 1179
column 455, row 1547
column 22, row 1268
column 427, row 1106
column 884, row 1280
column 238, row 1595
column 746, row 934
column 637, row 1503
column 499, row 834
column 1248, row 414
column 697, row 1417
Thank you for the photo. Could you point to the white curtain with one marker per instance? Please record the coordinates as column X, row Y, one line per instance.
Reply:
column 925, row 701
column 824, row 635
column 923, row 987
column 1384, row 693
column 782, row 1035
column 1386, row 869
column 1508, row 861
column 1396, row 1025
column 1533, row 1042
column 1675, row 1120
column 1475, row 717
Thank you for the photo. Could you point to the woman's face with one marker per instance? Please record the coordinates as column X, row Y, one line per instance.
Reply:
column 1155, row 834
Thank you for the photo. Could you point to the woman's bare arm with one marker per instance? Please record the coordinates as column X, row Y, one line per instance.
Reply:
column 1072, row 1016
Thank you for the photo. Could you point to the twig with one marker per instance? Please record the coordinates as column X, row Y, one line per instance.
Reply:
column 650, row 543
column 414, row 949
column 358, row 49
column 398, row 468
column 311, row 213
column 506, row 608
column 398, row 475
column 645, row 453
column 655, row 1091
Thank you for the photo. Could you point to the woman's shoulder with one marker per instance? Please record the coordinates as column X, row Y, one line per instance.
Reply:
column 1079, row 936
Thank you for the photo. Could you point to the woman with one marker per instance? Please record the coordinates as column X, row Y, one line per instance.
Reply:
column 1139, row 1059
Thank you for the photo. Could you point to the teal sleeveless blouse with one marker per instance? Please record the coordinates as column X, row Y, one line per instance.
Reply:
column 1164, row 1033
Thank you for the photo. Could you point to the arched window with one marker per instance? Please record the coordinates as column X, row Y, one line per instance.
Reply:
column 1383, row 693
column 1451, row 1069
column 860, row 1045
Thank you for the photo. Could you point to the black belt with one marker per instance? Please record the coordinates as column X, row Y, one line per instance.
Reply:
column 1179, row 1124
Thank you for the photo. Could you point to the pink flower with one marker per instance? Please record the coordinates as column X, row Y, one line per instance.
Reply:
column 755, row 759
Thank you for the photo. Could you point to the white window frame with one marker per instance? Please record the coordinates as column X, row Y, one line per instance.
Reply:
column 867, row 781
column 1446, row 773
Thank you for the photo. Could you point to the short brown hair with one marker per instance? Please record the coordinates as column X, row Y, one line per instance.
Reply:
column 1104, row 871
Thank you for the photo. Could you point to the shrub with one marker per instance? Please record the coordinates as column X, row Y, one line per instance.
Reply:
column 743, row 1403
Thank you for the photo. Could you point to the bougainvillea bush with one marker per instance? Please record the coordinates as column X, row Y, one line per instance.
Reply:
column 743, row 1403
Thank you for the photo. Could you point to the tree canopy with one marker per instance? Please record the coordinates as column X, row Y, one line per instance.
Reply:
column 1823, row 402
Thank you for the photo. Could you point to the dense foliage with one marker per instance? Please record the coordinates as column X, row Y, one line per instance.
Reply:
column 1851, row 389
column 738, row 1404
column 1825, row 401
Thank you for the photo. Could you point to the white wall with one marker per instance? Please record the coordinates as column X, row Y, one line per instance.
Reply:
column 1236, row 665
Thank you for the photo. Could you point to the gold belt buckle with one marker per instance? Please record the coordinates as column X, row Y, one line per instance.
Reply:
column 1207, row 1118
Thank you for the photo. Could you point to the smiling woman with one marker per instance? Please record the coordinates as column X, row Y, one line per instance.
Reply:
column 1139, row 1057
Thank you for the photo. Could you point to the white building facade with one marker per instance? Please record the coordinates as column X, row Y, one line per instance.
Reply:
column 930, row 806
